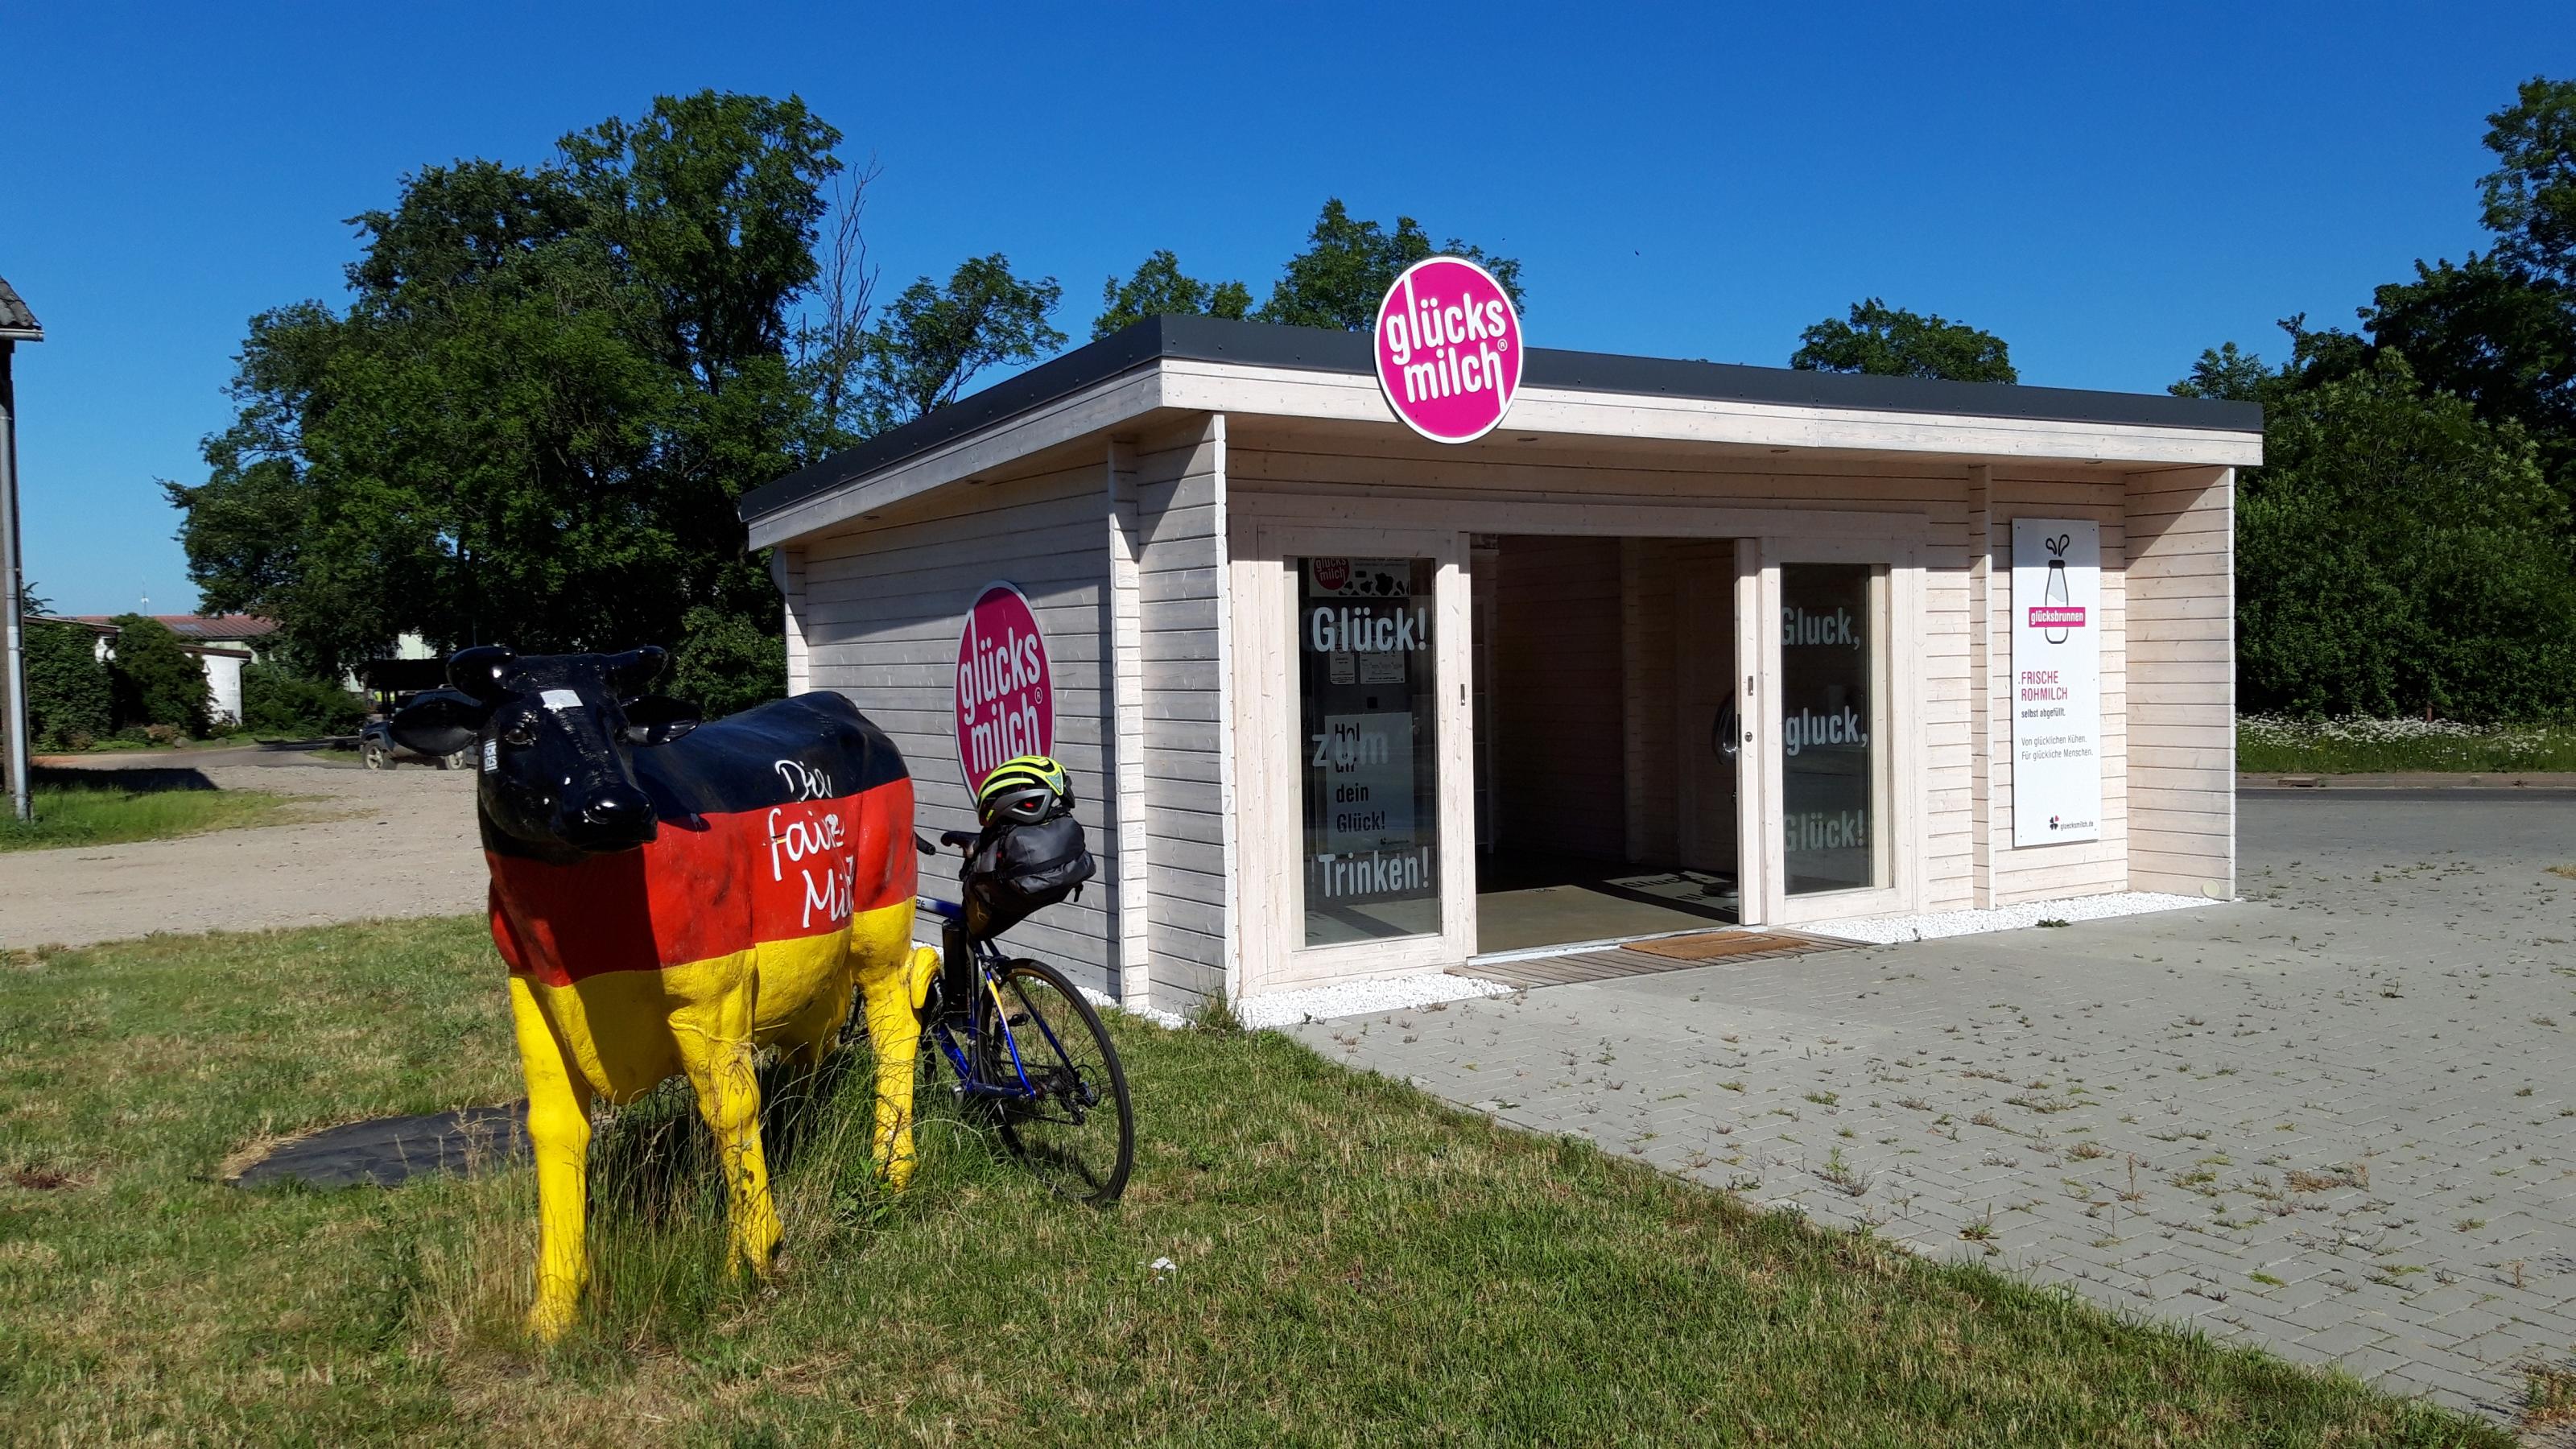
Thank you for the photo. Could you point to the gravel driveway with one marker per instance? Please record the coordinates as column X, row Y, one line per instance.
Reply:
column 373, row 844
column 2338, row 1119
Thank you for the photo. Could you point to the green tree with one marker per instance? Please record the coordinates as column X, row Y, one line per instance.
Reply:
column 69, row 700
column 279, row 700
column 155, row 681
column 2225, row 374
column 2397, row 553
column 1159, row 288
column 1342, row 275
column 534, row 420
column 2499, row 329
column 1887, row 342
column 726, row 663
column 933, row 340
column 2530, row 198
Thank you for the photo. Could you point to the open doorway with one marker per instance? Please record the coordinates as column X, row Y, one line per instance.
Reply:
column 1606, row 739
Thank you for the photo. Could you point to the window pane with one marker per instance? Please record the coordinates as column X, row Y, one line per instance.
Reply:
column 1371, row 751
column 1827, row 729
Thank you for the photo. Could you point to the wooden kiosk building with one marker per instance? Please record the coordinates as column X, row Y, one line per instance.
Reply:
column 1677, row 645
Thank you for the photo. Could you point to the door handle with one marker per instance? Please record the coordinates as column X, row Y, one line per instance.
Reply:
column 1721, row 731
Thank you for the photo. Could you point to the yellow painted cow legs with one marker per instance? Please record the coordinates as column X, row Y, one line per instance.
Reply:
column 720, row 1068
column 891, row 985
column 559, row 1138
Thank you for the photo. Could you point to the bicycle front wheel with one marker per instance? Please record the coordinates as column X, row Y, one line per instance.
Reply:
column 1075, row 1128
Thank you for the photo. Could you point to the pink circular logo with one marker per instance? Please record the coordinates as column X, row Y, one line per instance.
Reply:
column 1448, row 349
column 1005, row 695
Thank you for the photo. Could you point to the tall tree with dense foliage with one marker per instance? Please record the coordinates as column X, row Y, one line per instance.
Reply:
column 935, row 339
column 1884, row 341
column 534, row 419
column 1343, row 273
column 1159, row 288
column 2497, row 329
column 2225, row 374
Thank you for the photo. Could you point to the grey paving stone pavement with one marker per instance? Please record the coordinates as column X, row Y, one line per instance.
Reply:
column 2337, row 1118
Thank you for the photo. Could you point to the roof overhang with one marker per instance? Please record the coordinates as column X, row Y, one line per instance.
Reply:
column 1184, row 365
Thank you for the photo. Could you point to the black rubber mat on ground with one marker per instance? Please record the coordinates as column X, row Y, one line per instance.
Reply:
column 389, row 1151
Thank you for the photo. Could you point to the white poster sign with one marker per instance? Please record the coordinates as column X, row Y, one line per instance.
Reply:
column 1367, row 764
column 2057, row 680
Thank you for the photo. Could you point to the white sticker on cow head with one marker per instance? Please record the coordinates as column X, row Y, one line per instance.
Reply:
column 560, row 699
column 491, row 757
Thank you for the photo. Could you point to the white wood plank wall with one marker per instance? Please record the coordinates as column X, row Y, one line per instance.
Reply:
column 1128, row 887
column 2182, row 597
column 884, row 606
column 1180, row 505
column 1969, row 859
column 2047, row 872
column 787, row 566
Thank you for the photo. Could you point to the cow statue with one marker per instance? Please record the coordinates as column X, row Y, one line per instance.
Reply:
column 671, row 898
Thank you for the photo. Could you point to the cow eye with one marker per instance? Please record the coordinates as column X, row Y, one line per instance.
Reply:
column 522, row 731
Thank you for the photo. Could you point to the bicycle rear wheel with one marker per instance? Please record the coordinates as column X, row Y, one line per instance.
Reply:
column 1078, row 1131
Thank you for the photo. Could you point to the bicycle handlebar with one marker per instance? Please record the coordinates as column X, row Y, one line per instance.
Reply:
column 959, row 838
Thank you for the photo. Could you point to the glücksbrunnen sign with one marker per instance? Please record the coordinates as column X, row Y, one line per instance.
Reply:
column 1389, row 652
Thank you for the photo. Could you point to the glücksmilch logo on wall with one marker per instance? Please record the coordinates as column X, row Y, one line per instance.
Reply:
column 1005, row 692
column 1448, row 349
column 2057, row 680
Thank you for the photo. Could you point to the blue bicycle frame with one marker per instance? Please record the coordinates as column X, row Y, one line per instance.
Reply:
column 967, row 968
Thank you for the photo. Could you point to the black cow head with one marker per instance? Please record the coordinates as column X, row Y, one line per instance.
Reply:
column 553, row 732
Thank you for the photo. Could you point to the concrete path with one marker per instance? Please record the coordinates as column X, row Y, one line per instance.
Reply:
column 2338, row 1119
column 370, row 844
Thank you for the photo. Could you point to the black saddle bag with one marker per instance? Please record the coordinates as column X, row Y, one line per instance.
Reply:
column 1015, row 871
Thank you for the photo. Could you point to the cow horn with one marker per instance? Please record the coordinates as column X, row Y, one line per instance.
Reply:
column 636, row 668
column 477, row 671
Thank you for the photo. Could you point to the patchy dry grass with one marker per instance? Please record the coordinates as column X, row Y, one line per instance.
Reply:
column 111, row 807
column 1349, row 1262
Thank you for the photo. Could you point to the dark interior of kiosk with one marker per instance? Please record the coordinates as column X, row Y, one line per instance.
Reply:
column 1604, row 730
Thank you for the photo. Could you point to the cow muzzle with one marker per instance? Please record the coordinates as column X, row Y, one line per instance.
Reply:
column 612, row 817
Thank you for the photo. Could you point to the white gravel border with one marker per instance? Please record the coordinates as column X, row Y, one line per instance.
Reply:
column 1890, row 930
column 1404, row 993
column 1358, row 998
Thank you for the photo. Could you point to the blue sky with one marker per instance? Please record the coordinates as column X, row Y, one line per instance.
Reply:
column 2110, row 191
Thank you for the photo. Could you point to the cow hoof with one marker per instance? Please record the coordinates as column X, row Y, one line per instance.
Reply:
column 548, row 1321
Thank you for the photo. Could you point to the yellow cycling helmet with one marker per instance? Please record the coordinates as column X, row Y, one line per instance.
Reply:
column 1024, row 791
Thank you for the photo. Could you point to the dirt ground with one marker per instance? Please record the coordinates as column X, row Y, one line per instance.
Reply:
column 370, row 844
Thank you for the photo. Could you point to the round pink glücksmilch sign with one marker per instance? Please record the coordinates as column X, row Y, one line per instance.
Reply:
column 1005, row 687
column 1448, row 349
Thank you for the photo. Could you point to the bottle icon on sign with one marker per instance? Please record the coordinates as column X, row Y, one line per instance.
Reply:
column 2055, row 595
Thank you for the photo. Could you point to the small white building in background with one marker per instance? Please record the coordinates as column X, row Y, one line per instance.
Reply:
column 222, row 644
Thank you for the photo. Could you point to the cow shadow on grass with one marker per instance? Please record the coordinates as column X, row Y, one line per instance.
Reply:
column 118, row 779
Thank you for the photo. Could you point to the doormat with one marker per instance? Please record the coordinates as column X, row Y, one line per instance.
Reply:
column 391, row 1150
column 1717, row 945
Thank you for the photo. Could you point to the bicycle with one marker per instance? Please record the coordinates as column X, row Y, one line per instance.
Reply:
column 1037, row 1086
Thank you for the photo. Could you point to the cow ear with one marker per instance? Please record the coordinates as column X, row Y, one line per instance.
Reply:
column 658, row 719
column 439, row 722
column 629, row 672
column 477, row 671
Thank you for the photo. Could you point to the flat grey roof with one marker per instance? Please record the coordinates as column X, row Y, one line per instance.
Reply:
column 1262, row 344
column 16, row 322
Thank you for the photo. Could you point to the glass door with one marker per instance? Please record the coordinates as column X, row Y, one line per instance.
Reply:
column 1368, row 680
column 1831, row 712
column 1350, row 732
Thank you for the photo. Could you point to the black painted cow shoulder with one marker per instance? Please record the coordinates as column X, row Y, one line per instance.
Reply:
column 813, row 747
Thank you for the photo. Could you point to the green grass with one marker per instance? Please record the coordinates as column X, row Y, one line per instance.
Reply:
column 1353, row 1263
column 110, row 807
column 2268, row 746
